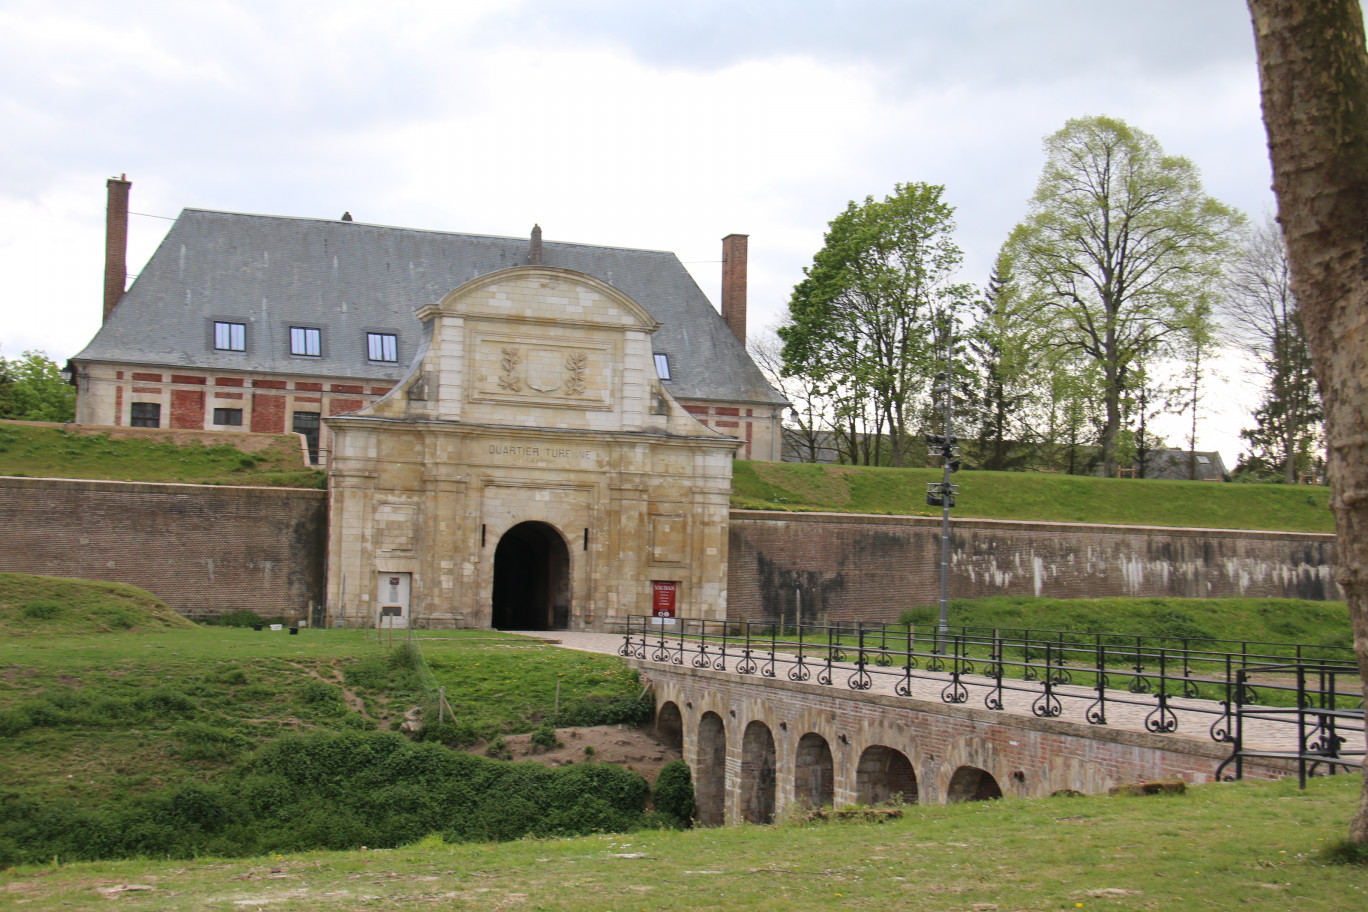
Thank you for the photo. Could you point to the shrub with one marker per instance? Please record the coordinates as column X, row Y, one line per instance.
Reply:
column 674, row 792
column 320, row 694
column 199, row 741
column 590, row 712
column 165, row 699
column 240, row 618
column 1171, row 622
column 545, row 737
column 456, row 734
column 41, row 609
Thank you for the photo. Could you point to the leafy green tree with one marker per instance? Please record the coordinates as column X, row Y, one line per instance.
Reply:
column 32, row 389
column 861, row 321
column 1267, row 324
column 1119, row 254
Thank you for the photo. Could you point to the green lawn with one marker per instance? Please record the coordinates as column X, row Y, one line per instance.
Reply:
column 1254, row 846
column 1033, row 496
column 49, row 452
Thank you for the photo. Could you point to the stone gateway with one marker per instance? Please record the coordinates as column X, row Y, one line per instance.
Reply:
column 530, row 471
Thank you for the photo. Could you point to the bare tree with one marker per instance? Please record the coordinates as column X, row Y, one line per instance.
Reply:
column 809, row 424
column 1266, row 323
column 1313, row 70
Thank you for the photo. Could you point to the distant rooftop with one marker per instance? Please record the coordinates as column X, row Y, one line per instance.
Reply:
column 350, row 281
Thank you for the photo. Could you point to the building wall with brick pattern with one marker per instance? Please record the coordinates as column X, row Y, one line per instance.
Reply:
column 871, row 568
column 204, row 550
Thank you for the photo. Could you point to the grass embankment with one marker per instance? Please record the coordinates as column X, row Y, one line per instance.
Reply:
column 1200, row 620
column 53, row 452
column 104, row 691
column 1033, row 496
column 1255, row 846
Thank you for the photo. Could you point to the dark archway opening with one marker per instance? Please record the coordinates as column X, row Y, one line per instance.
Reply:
column 531, row 579
column 757, row 774
column 814, row 784
column 710, row 779
column 670, row 726
column 885, row 774
column 969, row 783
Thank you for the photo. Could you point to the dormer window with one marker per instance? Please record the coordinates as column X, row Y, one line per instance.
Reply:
column 662, row 366
column 306, row 341
column 230, row 336
column 382, row 346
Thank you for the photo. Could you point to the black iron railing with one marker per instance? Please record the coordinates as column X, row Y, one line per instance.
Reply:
column 1282, row 700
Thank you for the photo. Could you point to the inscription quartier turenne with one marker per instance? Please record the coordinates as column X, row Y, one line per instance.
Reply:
column 538, row 452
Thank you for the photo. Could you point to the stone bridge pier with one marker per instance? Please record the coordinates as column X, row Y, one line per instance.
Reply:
column 759, row 747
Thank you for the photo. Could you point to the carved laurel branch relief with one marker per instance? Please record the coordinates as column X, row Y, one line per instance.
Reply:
column 509, row 379
column 575, row 382
column 575, row 365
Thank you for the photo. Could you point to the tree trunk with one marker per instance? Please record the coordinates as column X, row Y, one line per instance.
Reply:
column 1313, row 69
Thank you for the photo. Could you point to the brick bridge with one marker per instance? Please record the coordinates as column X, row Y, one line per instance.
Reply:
column 761, row 745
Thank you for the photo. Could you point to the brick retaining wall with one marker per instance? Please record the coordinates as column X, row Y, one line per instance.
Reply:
column 203, row 549
column 857, row 567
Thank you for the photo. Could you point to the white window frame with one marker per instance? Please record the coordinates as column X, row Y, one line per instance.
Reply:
column 662, row 364
column 306, row 341
column 229, row 336
column 382, row 346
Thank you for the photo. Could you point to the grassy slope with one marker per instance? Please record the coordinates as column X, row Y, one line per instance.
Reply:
column 1254, row 620
column 1255, row 846
column 44, row 452
column 111, row 665
column 1033, row 496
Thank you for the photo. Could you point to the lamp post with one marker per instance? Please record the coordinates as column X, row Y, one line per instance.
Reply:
column 942, row 494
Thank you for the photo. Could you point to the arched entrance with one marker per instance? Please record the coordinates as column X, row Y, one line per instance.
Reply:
column 969, row 783
column 531, row 579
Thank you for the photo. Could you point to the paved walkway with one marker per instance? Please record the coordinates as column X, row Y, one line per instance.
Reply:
column 1124, row 710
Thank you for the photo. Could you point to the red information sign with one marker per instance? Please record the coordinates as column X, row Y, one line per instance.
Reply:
column 663, row 598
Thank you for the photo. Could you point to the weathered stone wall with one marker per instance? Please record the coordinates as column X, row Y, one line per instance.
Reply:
column 203, row 549
column 851, row 567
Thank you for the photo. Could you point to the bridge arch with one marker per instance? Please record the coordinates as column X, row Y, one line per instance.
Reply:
column 669, row 725
column 966, row 763
column 969, row 783
column 758, row 777
column 814, row 782
column 884, row 774
column 710, row 772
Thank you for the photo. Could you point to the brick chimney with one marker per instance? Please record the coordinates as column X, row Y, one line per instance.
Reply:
column 734, row 283
column 116, row 241
column 534, row 250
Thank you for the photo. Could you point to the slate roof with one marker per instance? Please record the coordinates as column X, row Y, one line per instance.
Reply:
column 350, row 278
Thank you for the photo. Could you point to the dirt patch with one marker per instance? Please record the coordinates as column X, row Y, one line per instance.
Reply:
column 636, row 749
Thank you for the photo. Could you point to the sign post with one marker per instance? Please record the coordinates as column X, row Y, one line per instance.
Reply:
column 663, row 601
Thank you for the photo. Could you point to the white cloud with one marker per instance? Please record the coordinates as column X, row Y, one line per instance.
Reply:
column 607, row 121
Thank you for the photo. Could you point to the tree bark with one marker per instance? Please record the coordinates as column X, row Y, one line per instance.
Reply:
column 1313, row 69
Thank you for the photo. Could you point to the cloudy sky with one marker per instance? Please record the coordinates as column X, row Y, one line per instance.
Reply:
column 662, row 125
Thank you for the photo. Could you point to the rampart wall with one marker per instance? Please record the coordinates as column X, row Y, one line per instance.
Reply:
column 839, row 566
column 203, row 549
